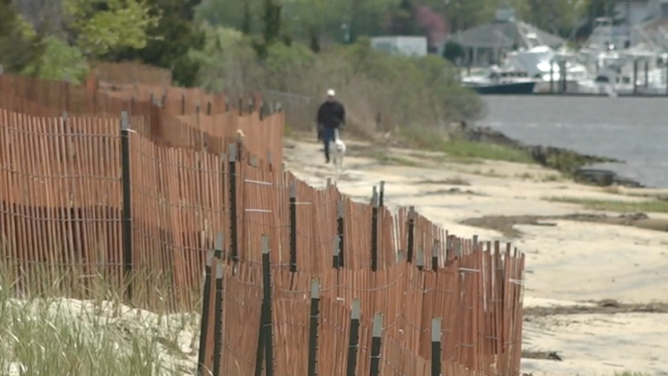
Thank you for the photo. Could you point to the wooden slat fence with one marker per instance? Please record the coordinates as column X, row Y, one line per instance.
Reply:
column 478, row 334
column 62, row 218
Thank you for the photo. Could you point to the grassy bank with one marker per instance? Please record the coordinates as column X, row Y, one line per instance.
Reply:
column 460, row 149
column 652, row 206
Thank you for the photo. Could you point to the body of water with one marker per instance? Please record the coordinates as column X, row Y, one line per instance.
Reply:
column 634, row 130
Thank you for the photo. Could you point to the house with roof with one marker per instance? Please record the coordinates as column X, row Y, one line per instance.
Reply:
column 486, row 44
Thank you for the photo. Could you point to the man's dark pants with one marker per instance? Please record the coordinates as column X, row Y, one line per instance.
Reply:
column 327, row 137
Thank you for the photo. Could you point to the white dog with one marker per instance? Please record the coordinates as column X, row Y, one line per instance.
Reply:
column 338, row 151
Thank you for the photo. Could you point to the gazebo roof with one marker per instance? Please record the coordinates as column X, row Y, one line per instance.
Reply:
column 503, row 34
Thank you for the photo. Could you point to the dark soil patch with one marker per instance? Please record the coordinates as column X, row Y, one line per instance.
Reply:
column 453, row 190
column 452, row 181
column 608, row 306
column 505, row 224
column 544, row 355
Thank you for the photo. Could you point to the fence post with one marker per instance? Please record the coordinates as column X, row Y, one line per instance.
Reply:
column 374, row 230
column 233, row 202
column 449, row 247
column 336, row 253
column 208, row 108
column 241, row 106
column 411, row 234
column 206, row 303
column 163, row 99
column 183, row 104
column 434, row 255
column 340, row 212
column 293, row 226
column 635, row 76
column 475, row 242
column 420, row 259
column 381, row 197
column 218, row 321
column 132, row 103
column 259, row 355
column 313, row 328
column 266, row 284
column 376, row 342
column 227, row 103
column 353, row 341
column 436, row 347
column 127, row 204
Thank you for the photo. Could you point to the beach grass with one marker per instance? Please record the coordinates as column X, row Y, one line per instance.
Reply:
column 461, row 149
column 652, row 206
column 59, row 336
column 479, row 150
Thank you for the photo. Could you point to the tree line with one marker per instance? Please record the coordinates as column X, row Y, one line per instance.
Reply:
column 56, row 38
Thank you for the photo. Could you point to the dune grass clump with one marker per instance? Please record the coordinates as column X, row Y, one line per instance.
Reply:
column 57, row 336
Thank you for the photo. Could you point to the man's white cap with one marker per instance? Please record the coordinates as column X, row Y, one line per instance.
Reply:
column 331, row 93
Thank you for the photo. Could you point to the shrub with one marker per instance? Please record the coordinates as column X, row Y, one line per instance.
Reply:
column 59, row 61
column 380, row 92
column 453, row 50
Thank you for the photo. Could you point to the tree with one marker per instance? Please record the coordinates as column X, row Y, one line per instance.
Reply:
column 101, row 27
column 367, row 17
column 271, row 31
column 464, row 14
column 432, row 24
column 58, row 61
column 19, row 44
column 227, row 62
column 170, row 40
column 403, row 19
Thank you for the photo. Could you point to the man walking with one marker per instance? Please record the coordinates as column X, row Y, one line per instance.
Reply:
column 331, row 116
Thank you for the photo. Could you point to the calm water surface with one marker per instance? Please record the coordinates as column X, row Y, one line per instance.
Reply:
column 634, row 130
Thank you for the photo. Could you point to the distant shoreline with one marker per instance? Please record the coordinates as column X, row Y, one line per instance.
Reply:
column 564, row 160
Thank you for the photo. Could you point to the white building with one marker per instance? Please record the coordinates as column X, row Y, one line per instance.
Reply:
column 401, row 45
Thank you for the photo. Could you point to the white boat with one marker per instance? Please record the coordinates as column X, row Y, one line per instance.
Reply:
column 615, row 57
column 496, row 80
column 545, row 64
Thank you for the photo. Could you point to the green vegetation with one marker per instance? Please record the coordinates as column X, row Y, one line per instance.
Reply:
column 59, row 61
column 460, row 150
column 404, row 92
column 653, row 206
column 102, row 30
column 479, row 150
column 52, row 336
column 19, row 44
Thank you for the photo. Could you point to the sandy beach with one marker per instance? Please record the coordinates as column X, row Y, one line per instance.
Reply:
column 594, row 280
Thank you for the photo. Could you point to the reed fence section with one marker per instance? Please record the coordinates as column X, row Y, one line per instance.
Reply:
column 133, row 195
column 168, row 116
column 463, row 318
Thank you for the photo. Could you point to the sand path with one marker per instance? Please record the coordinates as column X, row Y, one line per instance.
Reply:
column 567, row 261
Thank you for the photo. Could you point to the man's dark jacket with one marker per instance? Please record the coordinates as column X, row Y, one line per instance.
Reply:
column 331, row 114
